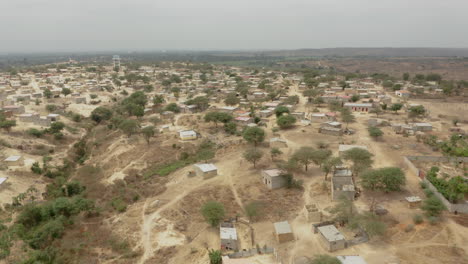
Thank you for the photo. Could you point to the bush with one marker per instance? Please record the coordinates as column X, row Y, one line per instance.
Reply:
column 423, row 185
column 418, row 219
column 119, row 205
column 428, row 192
column 286, row 121
column 433, row 220
column 433, row 206
column 35, row 132
column 36, row 168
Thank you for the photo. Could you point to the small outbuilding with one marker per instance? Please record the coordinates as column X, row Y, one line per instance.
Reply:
column 207, row 170
column 15, row 160
column 283, row 232
column 273, row 178
column 332, row 239
column 188, row 135
column 228, row 237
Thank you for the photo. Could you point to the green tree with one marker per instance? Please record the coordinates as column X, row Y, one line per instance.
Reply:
column 311, row 94
column 253, row 155
column 361, row 159
column 433, row 206
column 396, row 107
column 173, row 107
column 202, row 102
column 216, row 117
column 158, row 100
column 417, row 111
column 355, row 98
column 7, row 124
column 66, row 91
column 280, row 110
column 347, row 116
column 101, row 114
column 129, row 126
column 387, row 179
column 320, row 156
column 56, row 127
column 275, row 152
column 51, row 108
column 406, row 76
column 148, row 132
column 254, row 135
column 213, row 212
column 375, row 132
column 304, row 156
column 369, row 222
column 47, row 93
column 330, row 164
column 325, row 259
column 344, row 210
column 232, row 99
column 285, row 121
column 230, row 128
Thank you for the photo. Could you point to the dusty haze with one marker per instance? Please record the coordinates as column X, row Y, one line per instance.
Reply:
column 90, row 25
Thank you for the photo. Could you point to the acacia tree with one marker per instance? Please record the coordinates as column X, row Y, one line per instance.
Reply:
column 280, row 110
column 129, row 126
column 254, row 135
column 387, row 179
column 231, row 99
column 330, row 164
column 253, row 155
column 347, row 116
column 320, row 156
column 396, row 107
column 361, row 159
column 213, row 212
column 216, row 117
column 304, row 156
column 148, row 132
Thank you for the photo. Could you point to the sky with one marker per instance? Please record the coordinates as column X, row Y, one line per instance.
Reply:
column 142, row 25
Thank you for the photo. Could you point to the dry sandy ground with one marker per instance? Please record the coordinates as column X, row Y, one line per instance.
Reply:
column 154, row 226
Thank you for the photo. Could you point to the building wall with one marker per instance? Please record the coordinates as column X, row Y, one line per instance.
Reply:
column 285, row 237
column 273, row 182
column 229, row 244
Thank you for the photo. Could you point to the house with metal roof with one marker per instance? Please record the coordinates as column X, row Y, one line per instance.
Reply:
column 206, row 170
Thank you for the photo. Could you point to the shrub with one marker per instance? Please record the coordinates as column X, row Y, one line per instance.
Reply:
column 418, row 219
column 35, row 132
column 423, row 185
column 119, row 205
column 36, row 168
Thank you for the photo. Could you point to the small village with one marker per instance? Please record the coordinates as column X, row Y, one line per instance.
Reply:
column 181, row 162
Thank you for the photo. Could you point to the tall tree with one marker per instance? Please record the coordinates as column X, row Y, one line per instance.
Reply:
column 148, row 132
column 347, row 116
column 361, row 159
column 254, row 135
column 304, row 156
column 253, row 155
column 387, row 179
column 213, row 212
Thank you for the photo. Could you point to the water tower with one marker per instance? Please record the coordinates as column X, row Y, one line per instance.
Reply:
column 116, row 61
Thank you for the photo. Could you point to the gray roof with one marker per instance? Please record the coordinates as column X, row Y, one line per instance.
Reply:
column 330, row 233
column 282, row 227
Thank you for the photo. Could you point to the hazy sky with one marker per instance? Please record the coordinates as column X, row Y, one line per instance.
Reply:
column 98, row 25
